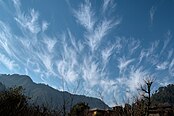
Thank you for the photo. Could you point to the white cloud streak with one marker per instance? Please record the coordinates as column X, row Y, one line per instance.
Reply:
column 77, row 45
column 50, row 43
column 152, row 13
column 94, row 39
column 133, row 46
column 87, row 59
column 162, row 66
column 108, row 5
column 68, row 64
column 171, row 68
column 170, row 53
column 44, row 26
column 168, row 37
column 10, row 64
column 96, row 30
column 137, row 77
column 30, row 21
column 85, row 16
column 91, row 72
column 5, row 36
column 123, row 63
column 106, row 54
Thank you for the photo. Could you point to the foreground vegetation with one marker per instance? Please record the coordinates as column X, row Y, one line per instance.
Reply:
column 14, row 103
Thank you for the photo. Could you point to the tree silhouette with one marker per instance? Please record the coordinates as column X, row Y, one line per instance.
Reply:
column 14, row 103
column 79, row 109
column 146, row 89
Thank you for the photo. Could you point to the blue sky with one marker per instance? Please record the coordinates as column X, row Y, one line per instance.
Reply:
column 103, row 49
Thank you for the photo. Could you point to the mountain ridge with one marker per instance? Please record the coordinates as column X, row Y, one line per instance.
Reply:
column 164, row 95
column 43, row 94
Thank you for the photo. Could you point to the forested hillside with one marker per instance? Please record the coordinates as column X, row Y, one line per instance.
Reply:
column 164, row 95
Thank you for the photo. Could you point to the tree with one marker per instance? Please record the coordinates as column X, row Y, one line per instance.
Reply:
column 79, row 109
column 12, row 101
column 146, row 89
column 138, row 108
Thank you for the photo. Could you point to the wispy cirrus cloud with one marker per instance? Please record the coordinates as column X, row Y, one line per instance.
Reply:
column 5, row 36
column 45, row 25
column 106, row 53
column 67, row 73
column 152, row 13
column 29, row 21
column 16, row 3
column 151, row 54
column 68, row 63
column 168, row 37
column 94, row 39
column 85, row 16
column 162, row 66
column 31, row 48
column 95, row 30
column 9, row 63
column 32, row 65
column 46, row 60
column 107, row 87
column 110, row 64
column 136, row 79
column 49, row 42
column 142, row 55
column 108, row 4
column 76, row 44
column 123, row 63
column 91, row 72
column 171, row 68
column 170, row 53
column 133, row 46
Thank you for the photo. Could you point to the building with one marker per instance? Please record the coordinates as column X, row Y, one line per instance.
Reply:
column 116, row 111
column 162, row 110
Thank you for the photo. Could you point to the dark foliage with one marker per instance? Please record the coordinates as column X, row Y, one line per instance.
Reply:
column 14, row 103
column 139, row 108
column 164, row 95
column 79, row 109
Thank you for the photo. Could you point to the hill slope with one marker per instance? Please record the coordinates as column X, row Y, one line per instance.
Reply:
column 164, row 95
column 44, row 94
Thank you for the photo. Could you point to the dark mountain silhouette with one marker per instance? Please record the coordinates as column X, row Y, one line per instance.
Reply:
column 164, row 95
column 43, row 94
column 2, row 87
